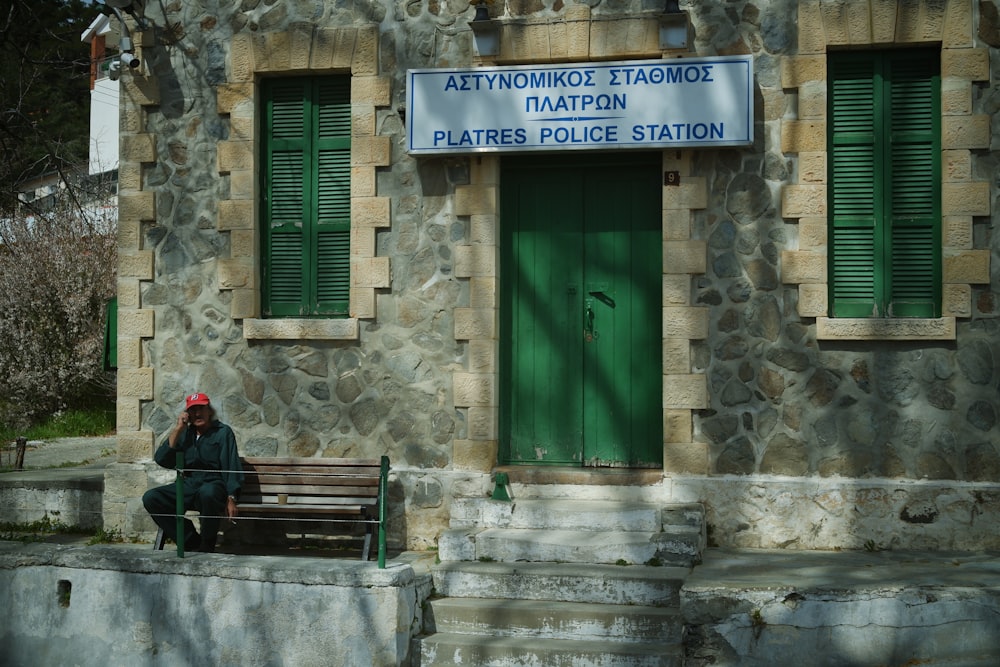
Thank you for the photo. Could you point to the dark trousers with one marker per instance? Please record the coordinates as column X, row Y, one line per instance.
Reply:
column 207, row 497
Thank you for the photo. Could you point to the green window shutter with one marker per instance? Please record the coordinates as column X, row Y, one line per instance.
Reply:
column 914, row 166
column 884, row 152
column 307, row 197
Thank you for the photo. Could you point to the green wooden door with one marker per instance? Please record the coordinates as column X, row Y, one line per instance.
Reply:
column 581, row 311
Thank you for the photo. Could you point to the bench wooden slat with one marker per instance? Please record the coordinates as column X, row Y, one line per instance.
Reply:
column 300, row 510
column 251, row 477
column 325, row 491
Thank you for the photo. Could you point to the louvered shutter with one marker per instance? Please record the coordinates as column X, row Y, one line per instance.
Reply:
column 286, row 179
column 884, row 170
column 914, row 177
column 333, row 188
column 307, row 197
column 855, row 192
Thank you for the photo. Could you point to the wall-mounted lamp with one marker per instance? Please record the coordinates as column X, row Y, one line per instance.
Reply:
column 673, row 26
column 485, row 32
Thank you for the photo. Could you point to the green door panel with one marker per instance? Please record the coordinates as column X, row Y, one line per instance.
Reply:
column 580, row 379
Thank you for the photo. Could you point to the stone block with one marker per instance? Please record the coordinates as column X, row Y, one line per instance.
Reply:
column 813, row 300
column 474, row 455
column 243, row 243
column 135, row 323
column 482, row 356
column 483, row 229
column 129, row 235
column 812, row 234
column 800, row 201
column 624, row 37
column 903, row 328
column 678, row 426
column 956, row 232
column 858, row 21
column 688, row 391
column 970, row 266
column 365, row 57
column 363, row 120
column 136, row 265
column 798, row 136
column 138, row 148
column 965, row 199
column 276, row 52
column 812, row 101
column 241, row 184
column 235, row 214
column 676, row 224
column 812, row 167
column 232, row 94
column 244, row 303
column 137, row 206
column 475, row 199
column 475, row 323
column 969, row 64
column 134, row 446
column 129, row 352
column 812, row 38
column 136, row 383
column 363, row 303
column 775, row 103
column 578, row 31
column 956, row 97
column 129, row 294
column 956, row 300
column 128, row 413
column 834, row 16
column 301, row 329
column 685, row 458
column 691, row 193
column 676, row 289
column 957, row 165
column 125, row 482
column 371, row 151
column 803, row 266
column 676, row 356
column 482, row 423
column 474, row 389
column 374, row 90
column 234, row 273
column 363, row 181
column 363, row 243
column 797, row 70
column 241, row 61
column 234, row 154
column 689, row 322
column 370, row 211
column 475, row 261
column 685, row 257
column 965, row 132
column 483, row 292
column 370, row 272
column 139, row 91
column 958, row 31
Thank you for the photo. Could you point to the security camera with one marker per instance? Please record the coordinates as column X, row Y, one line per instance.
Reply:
column 114, row 70
column 130, row 59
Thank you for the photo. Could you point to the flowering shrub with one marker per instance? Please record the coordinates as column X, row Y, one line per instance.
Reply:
column 57, row 272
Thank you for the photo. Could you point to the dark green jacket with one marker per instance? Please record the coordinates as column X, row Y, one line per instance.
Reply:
column 214, row 451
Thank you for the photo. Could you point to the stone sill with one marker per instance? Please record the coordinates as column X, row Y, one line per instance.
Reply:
column 862, row 328
column 301, row 329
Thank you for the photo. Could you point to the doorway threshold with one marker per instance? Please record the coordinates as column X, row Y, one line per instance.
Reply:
column 519, row 474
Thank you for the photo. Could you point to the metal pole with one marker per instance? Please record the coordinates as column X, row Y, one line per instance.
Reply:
column 180, row 504
column 383, row 490
column 22, row 444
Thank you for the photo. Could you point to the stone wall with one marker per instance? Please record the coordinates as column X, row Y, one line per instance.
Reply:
column 759, row 385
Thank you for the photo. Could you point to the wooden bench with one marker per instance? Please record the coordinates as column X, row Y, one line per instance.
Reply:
column 327, row 491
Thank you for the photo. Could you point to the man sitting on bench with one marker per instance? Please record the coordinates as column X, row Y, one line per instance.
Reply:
column 213, row 475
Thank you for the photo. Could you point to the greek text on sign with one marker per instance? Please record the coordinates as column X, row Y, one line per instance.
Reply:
column 690, row 102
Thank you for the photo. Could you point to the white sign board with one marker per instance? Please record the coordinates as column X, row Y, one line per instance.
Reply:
column 677, row 103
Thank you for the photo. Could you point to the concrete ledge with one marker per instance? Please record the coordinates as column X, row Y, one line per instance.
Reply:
column 845, row 608
column 902, row 328
column 301, row 329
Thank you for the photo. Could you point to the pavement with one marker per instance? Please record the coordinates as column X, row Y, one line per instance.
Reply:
column 86, row 452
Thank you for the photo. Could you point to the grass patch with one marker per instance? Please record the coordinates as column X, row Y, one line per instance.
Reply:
column 69, row 424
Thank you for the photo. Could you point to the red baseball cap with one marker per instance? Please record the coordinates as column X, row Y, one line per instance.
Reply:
column 197, row 399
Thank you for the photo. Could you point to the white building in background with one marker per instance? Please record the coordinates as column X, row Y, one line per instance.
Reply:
column 104, row 117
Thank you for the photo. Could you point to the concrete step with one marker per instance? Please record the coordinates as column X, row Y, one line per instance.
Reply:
column 568, row 582
column 585, row 546
column 484, row 651
column 591, row 515
column 545, row 619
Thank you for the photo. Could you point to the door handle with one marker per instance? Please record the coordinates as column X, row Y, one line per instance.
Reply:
column 588, row 322
column 603, row 298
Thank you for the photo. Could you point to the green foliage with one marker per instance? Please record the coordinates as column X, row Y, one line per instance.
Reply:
column 96, row 421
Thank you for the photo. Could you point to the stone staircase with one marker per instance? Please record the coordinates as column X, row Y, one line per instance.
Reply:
column 554, row 582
